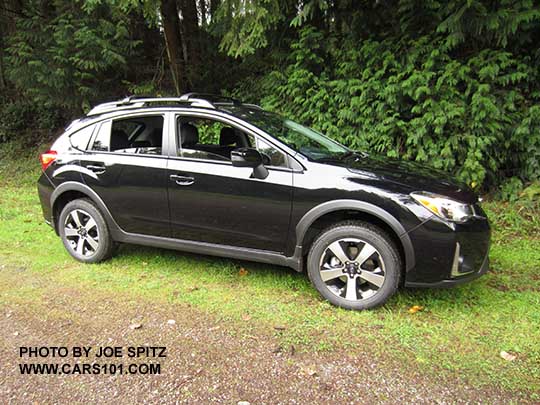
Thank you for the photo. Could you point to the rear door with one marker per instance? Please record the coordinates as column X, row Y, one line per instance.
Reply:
column 126, row 165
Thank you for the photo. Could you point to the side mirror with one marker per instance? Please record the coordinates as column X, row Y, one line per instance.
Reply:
column 249, row 157
column 246, row 157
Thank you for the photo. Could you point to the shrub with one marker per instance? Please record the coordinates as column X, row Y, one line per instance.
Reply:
column 511, row 189
column 67, row 58
column 472, row 116
column 27, row 122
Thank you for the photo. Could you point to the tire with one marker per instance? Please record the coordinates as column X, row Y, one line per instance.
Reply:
column 84, row 232
column 354, row 265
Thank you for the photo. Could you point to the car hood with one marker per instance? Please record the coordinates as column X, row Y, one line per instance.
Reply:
column 411, row 175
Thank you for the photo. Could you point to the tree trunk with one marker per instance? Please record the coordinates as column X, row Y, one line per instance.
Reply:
column 173, row 41
column 204, row 17
column 190, row 31
column 318, row 20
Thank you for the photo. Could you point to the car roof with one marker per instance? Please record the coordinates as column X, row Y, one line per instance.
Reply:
column 190, row 101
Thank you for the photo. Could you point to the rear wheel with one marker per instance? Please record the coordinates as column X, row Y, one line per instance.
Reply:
column 84, row 232
column 354, row 265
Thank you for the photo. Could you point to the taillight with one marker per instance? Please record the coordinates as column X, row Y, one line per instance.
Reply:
column 47, row 158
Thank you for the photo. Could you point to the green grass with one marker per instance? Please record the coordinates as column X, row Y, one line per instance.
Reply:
column 461, row 331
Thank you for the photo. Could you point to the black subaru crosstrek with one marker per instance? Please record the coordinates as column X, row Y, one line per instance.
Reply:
column 210, row 175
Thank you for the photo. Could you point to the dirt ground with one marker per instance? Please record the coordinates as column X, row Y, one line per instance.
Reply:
column 209, row 360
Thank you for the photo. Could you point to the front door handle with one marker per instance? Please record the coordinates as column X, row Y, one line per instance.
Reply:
column 96, row 169
column 182, row 180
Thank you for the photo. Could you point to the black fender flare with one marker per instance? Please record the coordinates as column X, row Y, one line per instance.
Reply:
column 92, row 195
column 339, row 205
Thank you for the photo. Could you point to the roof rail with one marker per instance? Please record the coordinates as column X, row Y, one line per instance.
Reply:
column 255, row 106
column 212, row 98
column 217, row 99
column 203, row 100
column 138, row 102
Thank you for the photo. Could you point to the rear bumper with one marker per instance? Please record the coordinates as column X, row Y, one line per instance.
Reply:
column 45, row 189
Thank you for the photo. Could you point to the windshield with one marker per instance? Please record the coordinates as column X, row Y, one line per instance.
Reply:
column 307, row 141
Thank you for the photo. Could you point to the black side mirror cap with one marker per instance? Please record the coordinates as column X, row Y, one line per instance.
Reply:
column 249, row 157
column 246, row 157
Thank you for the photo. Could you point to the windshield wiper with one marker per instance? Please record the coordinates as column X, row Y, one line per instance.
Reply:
column 357, row 154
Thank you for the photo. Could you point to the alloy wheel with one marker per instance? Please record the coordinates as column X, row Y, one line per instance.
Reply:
column 352, row 269
column 81, row 232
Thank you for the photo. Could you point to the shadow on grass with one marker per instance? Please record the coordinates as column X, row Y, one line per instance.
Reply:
column 460, row 298
column 172, row 257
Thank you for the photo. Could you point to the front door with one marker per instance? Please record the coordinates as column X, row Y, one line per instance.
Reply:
column 212, row 201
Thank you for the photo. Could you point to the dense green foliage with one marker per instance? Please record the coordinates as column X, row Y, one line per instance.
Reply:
column 24, row 117
column 455, row 84
column 459, row 93
column 60, row 58
column 473, row 116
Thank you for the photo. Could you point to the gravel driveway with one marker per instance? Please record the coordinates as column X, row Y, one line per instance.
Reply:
column 209, row 360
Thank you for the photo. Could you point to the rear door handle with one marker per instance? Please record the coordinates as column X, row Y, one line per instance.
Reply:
column 96, row 169
column 182, row 180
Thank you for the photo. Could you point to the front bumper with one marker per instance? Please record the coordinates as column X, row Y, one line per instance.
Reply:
column 454, row 281
column 449, row 254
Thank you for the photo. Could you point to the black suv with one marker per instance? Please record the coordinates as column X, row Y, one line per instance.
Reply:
column 210, row 175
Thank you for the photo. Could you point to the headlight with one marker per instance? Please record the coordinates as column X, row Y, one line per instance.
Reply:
column 444, row 207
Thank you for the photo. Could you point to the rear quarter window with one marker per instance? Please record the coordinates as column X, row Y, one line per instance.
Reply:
column 78, row 140
column 81, row 139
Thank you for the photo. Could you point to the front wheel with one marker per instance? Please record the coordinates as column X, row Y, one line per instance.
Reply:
column 354, row 265
column 84, row 232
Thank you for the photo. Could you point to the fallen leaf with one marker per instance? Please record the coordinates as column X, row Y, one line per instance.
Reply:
column 508, row 356
column 246, row 317
column 310, row 370
column 194, row 288
column 242, row 272
column 415, row 308
column 134, row 326
column 144, row 263
column 280, row 327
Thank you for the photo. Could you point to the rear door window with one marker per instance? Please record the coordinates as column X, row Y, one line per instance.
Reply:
column 103, row 137
column 134, row 135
